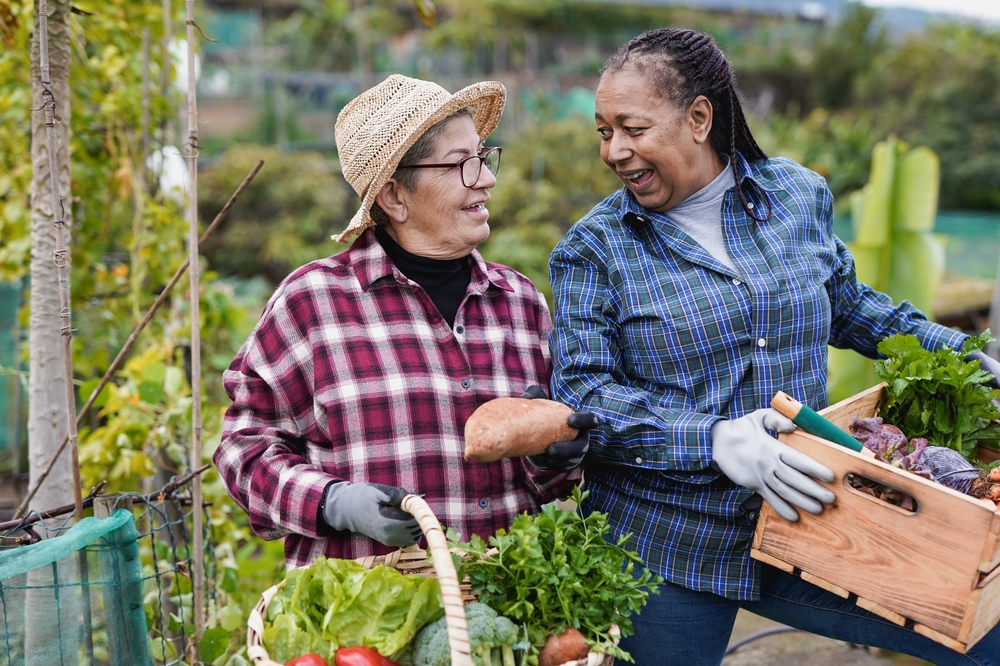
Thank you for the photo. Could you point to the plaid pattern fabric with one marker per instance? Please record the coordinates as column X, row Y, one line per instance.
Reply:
column 352, row 374
column 661, row 340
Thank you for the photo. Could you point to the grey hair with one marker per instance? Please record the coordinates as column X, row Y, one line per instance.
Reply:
column 421, row 150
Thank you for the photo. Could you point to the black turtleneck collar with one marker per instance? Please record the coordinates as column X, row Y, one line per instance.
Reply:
column 444, row 280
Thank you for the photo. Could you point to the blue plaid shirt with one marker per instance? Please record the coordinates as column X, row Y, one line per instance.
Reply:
column 661, row 340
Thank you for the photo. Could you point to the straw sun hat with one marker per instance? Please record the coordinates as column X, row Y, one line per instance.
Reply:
column 378, row 126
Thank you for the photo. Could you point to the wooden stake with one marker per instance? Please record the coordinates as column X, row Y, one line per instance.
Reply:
column 198, row 574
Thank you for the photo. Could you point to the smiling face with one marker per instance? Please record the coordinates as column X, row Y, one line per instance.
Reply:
column 440, row 217
column 659, row 151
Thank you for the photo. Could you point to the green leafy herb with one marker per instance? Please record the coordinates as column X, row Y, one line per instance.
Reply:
column 555, row 570
column 939, row 395
column 340, row 603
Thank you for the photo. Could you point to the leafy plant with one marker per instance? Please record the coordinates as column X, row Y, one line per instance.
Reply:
column 555, row 570
column 939, row 395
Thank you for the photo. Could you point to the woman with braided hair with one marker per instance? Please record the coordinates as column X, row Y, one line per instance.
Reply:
column 683, row 302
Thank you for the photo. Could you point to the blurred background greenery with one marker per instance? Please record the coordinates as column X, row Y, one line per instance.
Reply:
column 821, row 90
column 823, row 82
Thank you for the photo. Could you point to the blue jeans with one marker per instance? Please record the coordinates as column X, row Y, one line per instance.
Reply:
column 680, row 627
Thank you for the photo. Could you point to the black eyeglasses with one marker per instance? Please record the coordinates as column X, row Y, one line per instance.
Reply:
column 470, row 168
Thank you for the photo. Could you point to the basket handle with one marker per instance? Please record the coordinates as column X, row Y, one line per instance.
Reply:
column 444, row 567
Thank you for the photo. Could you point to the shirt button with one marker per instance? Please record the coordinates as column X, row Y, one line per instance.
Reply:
column 750, row 205
column 638, row 460
column 736, row 282
column 466, row 383
column 483, row 503
column 761, row 342
column 460, row 329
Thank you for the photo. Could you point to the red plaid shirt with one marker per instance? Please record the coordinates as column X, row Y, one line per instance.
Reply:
column 352, row 374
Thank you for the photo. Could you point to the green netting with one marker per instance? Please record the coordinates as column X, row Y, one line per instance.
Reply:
column 103, row 592
column 75, row 598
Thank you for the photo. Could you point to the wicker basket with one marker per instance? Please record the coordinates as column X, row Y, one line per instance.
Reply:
column 410, row 561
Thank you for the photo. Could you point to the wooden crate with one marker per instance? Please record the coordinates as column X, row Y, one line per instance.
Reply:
column 935, row 567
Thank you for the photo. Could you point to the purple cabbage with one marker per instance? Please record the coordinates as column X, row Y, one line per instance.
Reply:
column 890, row 445
column 950, row 468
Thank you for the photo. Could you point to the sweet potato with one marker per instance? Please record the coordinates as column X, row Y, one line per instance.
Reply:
column 563, row 648
column 514, row 427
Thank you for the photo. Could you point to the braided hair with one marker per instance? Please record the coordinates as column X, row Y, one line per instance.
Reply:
column 684, row 64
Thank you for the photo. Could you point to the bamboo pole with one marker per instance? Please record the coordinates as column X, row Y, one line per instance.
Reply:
column 127, row 347
column 198, row 573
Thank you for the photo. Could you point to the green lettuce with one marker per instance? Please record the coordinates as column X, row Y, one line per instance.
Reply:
column 339, row 603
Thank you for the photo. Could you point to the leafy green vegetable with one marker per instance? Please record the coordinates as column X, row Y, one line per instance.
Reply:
column 555, row 570
column 939, row 395
column 340, row 603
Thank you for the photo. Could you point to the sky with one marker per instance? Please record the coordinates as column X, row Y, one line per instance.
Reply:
column 983, row 9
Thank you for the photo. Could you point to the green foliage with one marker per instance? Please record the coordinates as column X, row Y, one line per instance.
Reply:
column 844, row 54
column 15, row 133
column 941, row 89
column 472, row 25
column 322, row 35
column 939, row 395
column 555, row 570
column 285, row 219
column 837, row 146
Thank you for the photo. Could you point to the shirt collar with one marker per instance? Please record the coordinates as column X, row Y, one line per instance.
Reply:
column 744, row 171
column 371, row 264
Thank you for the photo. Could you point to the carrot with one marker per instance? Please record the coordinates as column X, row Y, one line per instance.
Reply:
column 995, row 474
column 559, row 649
column 513, row 427
column 995, row 492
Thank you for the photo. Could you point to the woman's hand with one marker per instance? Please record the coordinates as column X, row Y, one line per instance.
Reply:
column 564, row 456
column 750, row 457
column 371, row 509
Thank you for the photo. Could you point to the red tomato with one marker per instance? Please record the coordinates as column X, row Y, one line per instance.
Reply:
column 361, row 656
column 311, row 659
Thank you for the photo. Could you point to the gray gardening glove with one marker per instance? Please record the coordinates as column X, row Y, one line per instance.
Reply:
column 371, row 509
column 987, row 363
column 750, row 457
column 564, row 456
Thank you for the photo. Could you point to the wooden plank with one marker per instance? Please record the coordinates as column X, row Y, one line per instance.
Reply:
column 826, row 585
column 943, row 639
column 991, row 547
column 859, row 541
column 861, row 405
column 773, row 561
column 987, row 608
column 987, row 455
column 873, row 607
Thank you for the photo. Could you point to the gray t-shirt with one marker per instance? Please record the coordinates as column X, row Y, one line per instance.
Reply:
column 700, row 215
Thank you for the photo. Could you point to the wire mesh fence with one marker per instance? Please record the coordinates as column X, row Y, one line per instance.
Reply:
column 112, row 589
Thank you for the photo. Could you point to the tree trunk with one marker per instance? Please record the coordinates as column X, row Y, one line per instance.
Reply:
column 47, row 408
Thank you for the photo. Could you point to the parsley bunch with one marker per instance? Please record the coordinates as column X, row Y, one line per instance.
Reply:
column 555, row 570
column 939, row 395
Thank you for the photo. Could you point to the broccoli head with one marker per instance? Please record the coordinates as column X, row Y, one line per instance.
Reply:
column 491, row 639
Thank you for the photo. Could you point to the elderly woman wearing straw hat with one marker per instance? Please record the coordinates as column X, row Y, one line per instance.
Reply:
column 358, row 379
